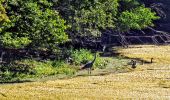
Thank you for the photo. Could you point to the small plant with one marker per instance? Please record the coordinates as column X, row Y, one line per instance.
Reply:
column 81, row 56
column 101, row 63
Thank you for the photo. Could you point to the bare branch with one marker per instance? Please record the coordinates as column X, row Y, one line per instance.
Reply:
column 158, row 8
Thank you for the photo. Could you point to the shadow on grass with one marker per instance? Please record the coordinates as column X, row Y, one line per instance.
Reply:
column 115, row 54
column 16, row 81
column 101, row 72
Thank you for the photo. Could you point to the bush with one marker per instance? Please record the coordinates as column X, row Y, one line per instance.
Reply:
column 82, row 56
column 5, row 76
column 101, row 63
column 51, row 68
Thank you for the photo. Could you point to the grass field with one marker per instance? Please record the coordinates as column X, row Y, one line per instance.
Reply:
column 148, row 81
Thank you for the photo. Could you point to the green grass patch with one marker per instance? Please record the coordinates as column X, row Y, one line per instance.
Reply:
column 31, row 69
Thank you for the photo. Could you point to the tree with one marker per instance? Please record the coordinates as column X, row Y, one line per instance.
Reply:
column 3, row 17
column 137, row 18
column 88, row 17
column 33, row 23
column 37, row 23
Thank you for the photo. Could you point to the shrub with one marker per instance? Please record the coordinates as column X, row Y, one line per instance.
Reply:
column 101, row 63
column 5, row 76
column 82, row 56
column 51, row 68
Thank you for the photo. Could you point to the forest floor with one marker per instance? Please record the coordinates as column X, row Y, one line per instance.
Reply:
column 147, row 81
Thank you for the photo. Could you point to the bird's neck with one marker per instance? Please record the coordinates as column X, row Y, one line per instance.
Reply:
column 94, row 58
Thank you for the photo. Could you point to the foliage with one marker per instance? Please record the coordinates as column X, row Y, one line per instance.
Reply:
column 39, row 25
column 30, row 68
column 137, row 18
column 83, row 56
column 101, row 63
column 51, row 68
column 42, row 24
column 87, row 17
column 3, row 17
column 33, row 23
column 125, row 5
column 5, row 76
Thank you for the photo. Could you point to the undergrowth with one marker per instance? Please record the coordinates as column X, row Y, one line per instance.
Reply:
column 83, row 56
column 31, row 68
column 34, row 69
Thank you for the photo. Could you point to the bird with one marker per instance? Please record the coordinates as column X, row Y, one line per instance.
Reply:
column 151, row 60
column 89, row 65
column 104, row 47
column 133, row 63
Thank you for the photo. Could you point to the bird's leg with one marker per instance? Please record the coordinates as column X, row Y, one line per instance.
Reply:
column 90, row 71
column 142, row 62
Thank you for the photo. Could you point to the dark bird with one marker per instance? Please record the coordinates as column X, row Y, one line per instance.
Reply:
column 89, row 65
column 133, row 63
column 151, row 60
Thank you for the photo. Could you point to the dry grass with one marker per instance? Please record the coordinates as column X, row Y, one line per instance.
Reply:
column 161, row 54
column 150, row 81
